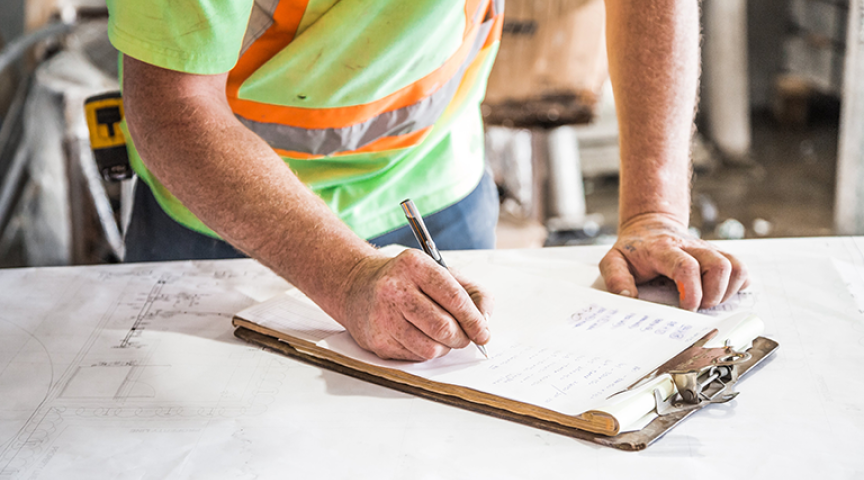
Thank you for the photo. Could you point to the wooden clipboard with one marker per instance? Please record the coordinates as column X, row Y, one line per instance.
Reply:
column 629, row 441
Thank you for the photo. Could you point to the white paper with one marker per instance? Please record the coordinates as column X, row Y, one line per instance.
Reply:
column 294, row 312
column 554, row 344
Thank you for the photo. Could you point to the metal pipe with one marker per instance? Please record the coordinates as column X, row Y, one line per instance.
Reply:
column 566, row 189
column 18, row 47
column 8, row 56
column 13, row 115
column 11, row 183
column 726, row 91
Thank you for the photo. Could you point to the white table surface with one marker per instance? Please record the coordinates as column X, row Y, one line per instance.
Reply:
column 132, row 372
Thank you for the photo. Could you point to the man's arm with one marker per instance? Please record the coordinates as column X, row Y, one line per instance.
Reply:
column 407, row 307
column 654, row 65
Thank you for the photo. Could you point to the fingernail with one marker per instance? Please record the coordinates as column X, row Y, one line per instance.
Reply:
column 626, row 293
column 486, row 314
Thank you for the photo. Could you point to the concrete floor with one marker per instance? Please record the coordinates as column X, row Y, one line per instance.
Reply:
column 790, row 184
column 786, row 191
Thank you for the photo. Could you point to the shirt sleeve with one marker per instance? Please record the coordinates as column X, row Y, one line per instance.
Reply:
column 194, row 36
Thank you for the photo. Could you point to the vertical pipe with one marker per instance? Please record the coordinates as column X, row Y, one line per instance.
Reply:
column 726, row 90
column 566, row 191
column 849, row 196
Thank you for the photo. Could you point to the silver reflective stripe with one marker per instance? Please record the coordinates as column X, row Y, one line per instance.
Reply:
column 259, row 21
column 327, row 141
column 497, row 7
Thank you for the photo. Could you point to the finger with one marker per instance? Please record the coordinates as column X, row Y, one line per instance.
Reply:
column 396, row 351
column 682, row 268
column 384, row 344
column 440, row 286
column 615, row 270
column 716, row 271
column 408, row 303
column 738, row 279
column 418, row 343
column 438, row 325
column 484, row 301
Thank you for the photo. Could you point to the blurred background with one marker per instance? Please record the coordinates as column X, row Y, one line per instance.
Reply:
column 777, row 152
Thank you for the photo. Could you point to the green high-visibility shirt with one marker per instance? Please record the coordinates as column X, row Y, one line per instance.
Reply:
column 368, row 101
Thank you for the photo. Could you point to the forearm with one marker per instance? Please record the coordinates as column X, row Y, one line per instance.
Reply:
column 654, row 66
column 234, row 182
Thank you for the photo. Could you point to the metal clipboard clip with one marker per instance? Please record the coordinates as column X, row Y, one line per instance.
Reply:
column 700, row 374
column 705, row 373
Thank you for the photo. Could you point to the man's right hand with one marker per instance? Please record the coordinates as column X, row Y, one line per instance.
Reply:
column 410, row 308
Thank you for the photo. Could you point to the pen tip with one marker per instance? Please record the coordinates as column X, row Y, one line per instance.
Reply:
column 483, row 350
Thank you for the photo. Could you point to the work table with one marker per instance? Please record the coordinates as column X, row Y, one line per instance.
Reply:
column 132, row 371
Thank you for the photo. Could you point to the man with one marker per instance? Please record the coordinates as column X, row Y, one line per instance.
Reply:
column 284, row 129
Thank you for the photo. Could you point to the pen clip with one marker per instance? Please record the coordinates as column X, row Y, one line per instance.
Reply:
column 420, row 232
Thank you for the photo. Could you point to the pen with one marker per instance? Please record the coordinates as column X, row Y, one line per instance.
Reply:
column 425, row 241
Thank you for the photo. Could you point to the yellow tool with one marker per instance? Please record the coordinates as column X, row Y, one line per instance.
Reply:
column 104, row 113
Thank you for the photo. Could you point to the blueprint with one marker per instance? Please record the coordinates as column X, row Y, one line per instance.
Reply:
column 88, row 353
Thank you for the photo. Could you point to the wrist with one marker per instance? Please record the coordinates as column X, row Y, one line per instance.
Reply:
column 670, row 220
column 357, row 286
column 675, row 205
column 665, row 194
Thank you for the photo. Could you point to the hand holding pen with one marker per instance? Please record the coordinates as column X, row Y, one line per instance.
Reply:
column 421, row 233
column 409, row 308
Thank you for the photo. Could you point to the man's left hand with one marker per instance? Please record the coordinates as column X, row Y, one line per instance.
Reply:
column 651, row 245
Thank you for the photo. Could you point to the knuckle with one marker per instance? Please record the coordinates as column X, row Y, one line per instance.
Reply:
column 410, row 258
column 430, row 350
column 686, row 266
column 607, row 259
column 609, row 266
column 444, row 331
column 377, row 344
column 667, row 242
column 721, row 267
column 740, row 271
column 463, row 304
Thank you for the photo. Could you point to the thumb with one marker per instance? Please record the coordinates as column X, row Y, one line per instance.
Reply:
column 616, row 273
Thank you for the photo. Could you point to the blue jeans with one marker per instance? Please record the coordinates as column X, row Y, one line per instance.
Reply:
column 468, row 224
column 153, row 236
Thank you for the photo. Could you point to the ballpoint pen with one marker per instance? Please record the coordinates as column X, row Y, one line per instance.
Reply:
column 426, row 243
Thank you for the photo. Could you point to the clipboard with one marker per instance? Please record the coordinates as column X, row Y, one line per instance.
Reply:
column 690, row 368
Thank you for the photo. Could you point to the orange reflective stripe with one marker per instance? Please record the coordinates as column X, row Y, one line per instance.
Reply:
column 472, row 13
column 329, row 141
column 286, row 19
column 382, row 144
column 468, row 81
column 347, row 116
column 495, row 34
